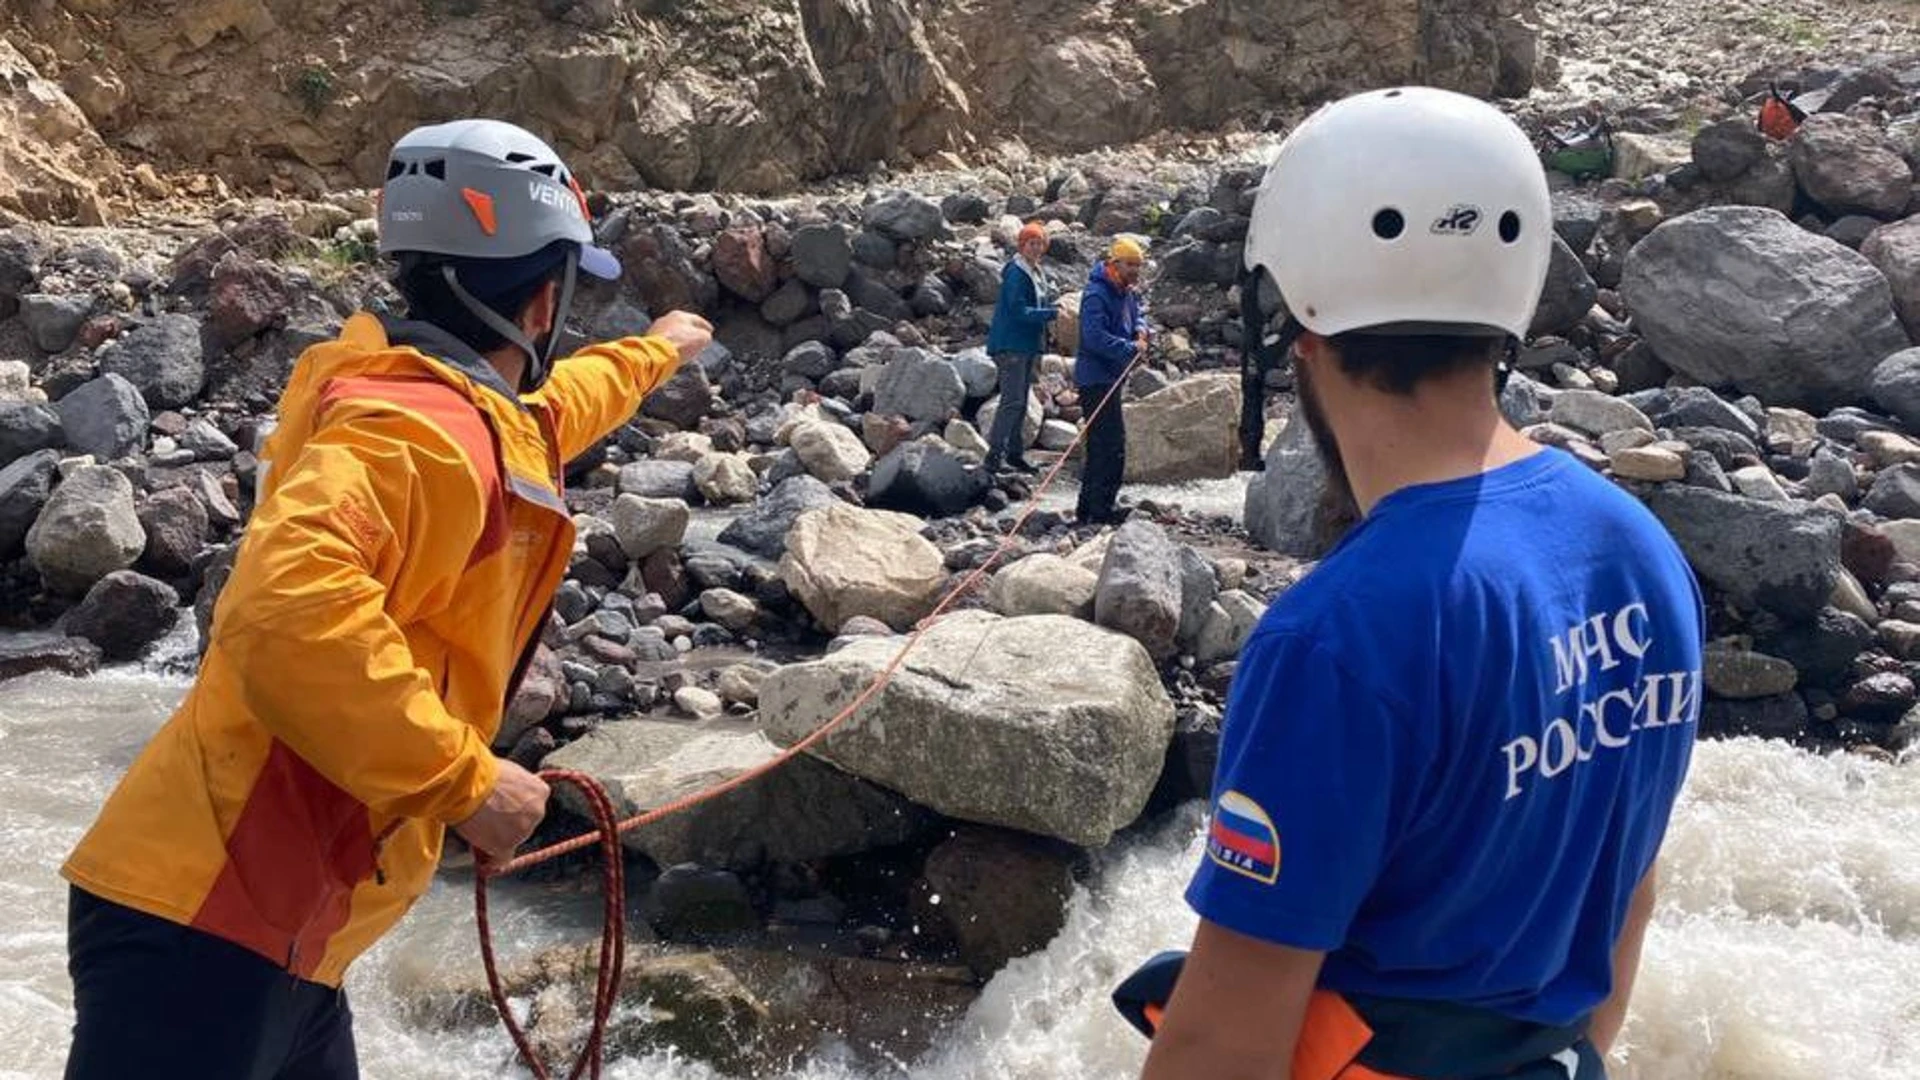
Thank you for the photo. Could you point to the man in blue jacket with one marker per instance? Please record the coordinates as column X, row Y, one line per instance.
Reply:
column 1014, row 340
column 1112, row 334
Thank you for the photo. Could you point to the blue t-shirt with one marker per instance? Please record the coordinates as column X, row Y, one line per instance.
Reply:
column 1451, row 750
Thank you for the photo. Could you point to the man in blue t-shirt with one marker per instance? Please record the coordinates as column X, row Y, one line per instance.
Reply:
column 1451, row 751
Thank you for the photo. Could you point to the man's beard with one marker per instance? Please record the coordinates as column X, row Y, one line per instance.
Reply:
column 1325, row 444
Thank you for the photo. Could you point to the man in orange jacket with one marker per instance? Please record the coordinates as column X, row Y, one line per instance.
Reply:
column 391, row 587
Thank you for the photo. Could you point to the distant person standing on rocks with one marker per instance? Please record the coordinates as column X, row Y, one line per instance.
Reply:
column 1113, row 333
column 1015, row 341
column 390, row 590
column 1451, row 751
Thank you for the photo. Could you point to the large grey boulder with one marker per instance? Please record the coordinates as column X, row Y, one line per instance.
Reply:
column 1849, row 166
column 25, row 484
column 1896, row 492
column 644, row 526
column 804, row 810
column 89, row 528
column 1692, row 407
column 1895, row 386
column 177, row 528
column 822, row 254
column 810, row 360
column 26, row 426
column 125, row 613
column 53, row 321
column 656, row 478
column 829, row 450
column 162, row 357
column 1741, row 296
column 1596, row 413
column 1894, row 250
column 1184, row 432
column 842, row 561
column 763, row 529
column 1290, row 508
column 1139, row 590
column 683, row 399
column 1231, row 619
column 1043, row 584
column 1568, row 294
column 1046, row 723
column 919, row 385
column 105, row 417
column 998, row 894
column 1726, row 150
column 904, row 215
column 1199, row 587
column 926, row 478
column 1781, row 556
column 977, row 371
column 876, row 297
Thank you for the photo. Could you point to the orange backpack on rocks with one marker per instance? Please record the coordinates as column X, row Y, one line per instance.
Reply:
column 1779, row 116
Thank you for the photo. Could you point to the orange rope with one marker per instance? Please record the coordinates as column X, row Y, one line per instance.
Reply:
column 565, row 847
column 607, row 832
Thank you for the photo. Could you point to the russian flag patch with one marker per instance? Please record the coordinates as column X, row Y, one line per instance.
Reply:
column 1242, row 838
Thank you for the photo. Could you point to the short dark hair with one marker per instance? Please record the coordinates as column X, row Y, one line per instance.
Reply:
column 1398, row 364
column 505, row 285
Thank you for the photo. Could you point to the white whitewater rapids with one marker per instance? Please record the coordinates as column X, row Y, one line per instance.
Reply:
column 1787, row 945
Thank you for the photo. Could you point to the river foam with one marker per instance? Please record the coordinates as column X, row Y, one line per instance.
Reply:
column 1786, row 945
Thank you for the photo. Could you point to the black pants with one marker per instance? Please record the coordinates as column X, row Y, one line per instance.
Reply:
column 1254, row 366
column 1016, row 381
column 162, row 1001
column 1106, row 459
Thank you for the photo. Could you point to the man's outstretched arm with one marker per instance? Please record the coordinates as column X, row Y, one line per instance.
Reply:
column 597, row 389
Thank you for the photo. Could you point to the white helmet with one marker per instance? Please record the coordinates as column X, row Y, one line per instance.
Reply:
column 1410, row 210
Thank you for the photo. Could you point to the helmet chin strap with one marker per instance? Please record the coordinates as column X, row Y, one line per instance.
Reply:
column 539, row 360
column 1255, row 336
column 1509, row 360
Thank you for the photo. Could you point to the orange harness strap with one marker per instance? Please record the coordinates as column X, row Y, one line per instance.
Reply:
column 1331, row 1037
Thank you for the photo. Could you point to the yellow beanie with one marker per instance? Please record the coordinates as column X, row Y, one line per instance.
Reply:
column 1127, row 249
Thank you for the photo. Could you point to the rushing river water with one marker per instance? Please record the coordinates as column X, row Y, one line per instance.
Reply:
column 1787, row 944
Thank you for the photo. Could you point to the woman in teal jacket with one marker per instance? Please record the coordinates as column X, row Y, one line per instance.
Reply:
column 1015, row 340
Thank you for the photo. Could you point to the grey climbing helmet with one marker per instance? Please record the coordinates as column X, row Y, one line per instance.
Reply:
column 489, row 190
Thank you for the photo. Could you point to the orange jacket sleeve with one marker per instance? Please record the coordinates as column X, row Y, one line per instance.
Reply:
column 366, row 531
column 598, row 388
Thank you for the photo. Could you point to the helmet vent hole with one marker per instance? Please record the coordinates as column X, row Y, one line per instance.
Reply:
column 1393, row 93
column 396, row 169
column 437, row 168
column 545, row 170
column 1509, row 226
column 517, row 157
column 1388, row 224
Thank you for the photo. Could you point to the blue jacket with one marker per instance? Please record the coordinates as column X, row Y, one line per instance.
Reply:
column 1109, row 320
column 1019, row 320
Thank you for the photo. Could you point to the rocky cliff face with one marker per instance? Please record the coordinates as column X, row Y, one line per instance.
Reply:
column 302, row 97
